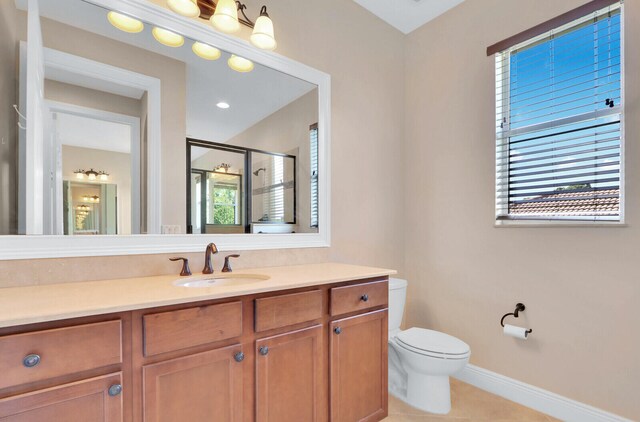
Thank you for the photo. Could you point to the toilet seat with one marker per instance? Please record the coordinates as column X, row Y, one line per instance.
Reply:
column 432, row 343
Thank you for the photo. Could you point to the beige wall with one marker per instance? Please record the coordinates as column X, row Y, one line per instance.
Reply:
column 91, row 98
column 580, row 285
column 8, row 119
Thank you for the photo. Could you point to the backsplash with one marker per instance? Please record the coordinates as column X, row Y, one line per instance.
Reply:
column 67, row 270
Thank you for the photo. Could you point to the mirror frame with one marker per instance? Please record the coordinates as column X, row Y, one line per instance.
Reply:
column 49, row 246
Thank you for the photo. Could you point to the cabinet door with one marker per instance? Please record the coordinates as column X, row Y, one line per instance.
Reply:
column 358, row 361
column 202, row 387
column 93, row 400
column 289, row 377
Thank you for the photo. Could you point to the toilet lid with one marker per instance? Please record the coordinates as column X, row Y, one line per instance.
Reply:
column 433, row 341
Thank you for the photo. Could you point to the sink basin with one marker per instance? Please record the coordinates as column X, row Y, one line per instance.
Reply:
column 221, row 279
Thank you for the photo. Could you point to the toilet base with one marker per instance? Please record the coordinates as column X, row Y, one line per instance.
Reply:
column 430, row 393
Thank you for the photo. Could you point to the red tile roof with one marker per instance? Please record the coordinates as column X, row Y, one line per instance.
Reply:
column 571, row 204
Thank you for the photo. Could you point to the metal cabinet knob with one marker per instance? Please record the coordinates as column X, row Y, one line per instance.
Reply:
column 239, row 356
column 115, row 389
column 337, row 330
column 264, row 350
column 31, row 360
column 364, row 297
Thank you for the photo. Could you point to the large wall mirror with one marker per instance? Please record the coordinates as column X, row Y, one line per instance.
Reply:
column 150, row 140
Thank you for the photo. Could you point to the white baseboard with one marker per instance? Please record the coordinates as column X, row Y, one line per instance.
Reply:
column 536, row 398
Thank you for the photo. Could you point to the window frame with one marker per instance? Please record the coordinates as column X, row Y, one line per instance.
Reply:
column 502, row 88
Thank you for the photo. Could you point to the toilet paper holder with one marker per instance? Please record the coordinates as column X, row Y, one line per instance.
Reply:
column 519, row 308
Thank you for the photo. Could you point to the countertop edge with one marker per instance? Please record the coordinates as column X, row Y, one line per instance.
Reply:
column 154, row 303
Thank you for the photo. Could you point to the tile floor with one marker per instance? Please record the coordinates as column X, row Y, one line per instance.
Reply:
column 468, row 403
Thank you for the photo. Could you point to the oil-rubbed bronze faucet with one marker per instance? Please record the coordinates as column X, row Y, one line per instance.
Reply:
column 186, row 271
column 208, row 266
column 227, row 265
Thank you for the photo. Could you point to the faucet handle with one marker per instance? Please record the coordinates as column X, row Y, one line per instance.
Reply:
column 227, row 265
column 186, row 271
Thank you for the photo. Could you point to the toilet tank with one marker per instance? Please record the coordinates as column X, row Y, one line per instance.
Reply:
column 397, row 298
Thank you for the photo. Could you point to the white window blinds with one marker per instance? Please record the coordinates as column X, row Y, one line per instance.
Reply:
column 313, row 145
column 559, row 122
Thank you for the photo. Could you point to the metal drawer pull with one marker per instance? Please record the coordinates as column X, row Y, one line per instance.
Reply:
column 31, row 360
column 337, row 330
column 239, row 356
column 264, row 350
column 364, row 297
column 115, row 389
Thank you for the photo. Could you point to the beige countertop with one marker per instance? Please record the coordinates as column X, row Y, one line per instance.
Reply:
column 33, row 304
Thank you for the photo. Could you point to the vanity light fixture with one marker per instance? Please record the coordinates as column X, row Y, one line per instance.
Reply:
column 223, row 168
column 225, row 17
column 168, row 38
column 83, row 207
column 223, row 105
column 125, row 23
column 92, row 199
column 205, row 51
column 240, row 64
column 262, row 36
column 92, row 175
column 188, row 8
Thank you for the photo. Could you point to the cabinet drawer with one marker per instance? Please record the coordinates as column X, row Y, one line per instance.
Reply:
column 93, row 399
column 175, row 330
column 58, row 352
column 359, row 297
column 281, row 311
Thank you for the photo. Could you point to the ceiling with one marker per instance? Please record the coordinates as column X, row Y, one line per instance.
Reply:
column 251, row 96
column 407, row 15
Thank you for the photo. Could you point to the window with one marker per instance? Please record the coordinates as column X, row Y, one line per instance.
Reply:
column 559, row 120
column 223, row 199
column 313, row 146
column 276, row 206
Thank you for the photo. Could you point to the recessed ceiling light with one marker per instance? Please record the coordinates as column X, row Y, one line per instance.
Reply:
column 166, row 37
column 124, row 22
column 223, row 105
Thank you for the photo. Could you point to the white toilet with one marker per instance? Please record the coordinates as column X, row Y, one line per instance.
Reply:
column 421, row 360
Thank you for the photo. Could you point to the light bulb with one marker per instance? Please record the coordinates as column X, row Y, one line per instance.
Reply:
column 168, row 38
column 104, row 177
column 188, row 8
column 262, row 35
column 225, row 18
column 125, row 23
column 92, row 176
column 79, row 175
column 240, row 64
column 205, row 51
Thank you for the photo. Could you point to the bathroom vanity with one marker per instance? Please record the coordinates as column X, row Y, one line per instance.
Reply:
column 307, row 344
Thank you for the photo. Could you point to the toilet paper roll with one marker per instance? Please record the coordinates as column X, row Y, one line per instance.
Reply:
column 517, row 332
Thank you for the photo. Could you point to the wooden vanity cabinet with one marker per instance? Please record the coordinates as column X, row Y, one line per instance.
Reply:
column 66, row 370
column 91, row 400
column 358, row 379
column 201, row 387
column 315, row 354
column 289, row 377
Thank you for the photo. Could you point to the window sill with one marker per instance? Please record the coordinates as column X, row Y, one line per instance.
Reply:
column 558, row 224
